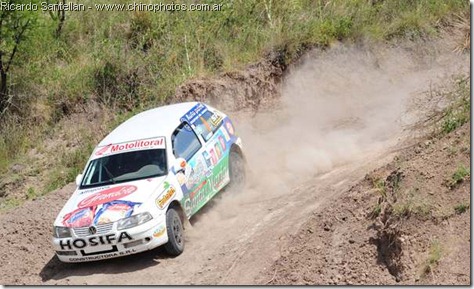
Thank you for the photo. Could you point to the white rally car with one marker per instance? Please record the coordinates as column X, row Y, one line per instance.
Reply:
column 144, row 179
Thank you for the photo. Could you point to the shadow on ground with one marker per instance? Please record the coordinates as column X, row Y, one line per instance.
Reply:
column 57, row 270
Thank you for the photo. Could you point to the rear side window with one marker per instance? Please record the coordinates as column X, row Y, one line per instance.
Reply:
column 185, row 142
column 207, row 124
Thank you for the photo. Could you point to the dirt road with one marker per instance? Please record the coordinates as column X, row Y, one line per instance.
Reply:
column 342, row 113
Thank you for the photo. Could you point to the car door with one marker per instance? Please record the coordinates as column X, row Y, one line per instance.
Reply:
column 217, row 142
column 193, row 179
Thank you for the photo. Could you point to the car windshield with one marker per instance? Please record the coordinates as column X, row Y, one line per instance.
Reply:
column 125, row 167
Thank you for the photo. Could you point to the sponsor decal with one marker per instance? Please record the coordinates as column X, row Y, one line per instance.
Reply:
column 229, row 127
column 71, row 244
column 222, row 143
column 113, row 211
column 103, row 256
column 159, row 231
column 137, row 144
column 93, row 190
column 218, row 150
column 207, row 158
column 225, row 133
column 102, row 150
column 209, row 170
column 193, row 193
column 194, row 113
column 220, row 175
column 198, row 171
column 158, row 142
column 216, row 119
column 166, row 196
column 102, row 207
column 181, row 178
column 207, row 188
column 79, row 218
column 106, row 196
column 213, row 157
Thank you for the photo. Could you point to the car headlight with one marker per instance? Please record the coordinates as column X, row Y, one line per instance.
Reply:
column 61, row 232
column 133, row 221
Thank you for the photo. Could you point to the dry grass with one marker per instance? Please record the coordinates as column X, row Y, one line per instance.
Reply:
column 461, row 24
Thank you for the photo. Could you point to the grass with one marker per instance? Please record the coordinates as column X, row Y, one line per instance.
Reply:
column 376, row 211
column 70, row 163
column 131, row 61
column 459, row 112
column 412, row 203
column 462, row 207
column 458, row 176
column 435, row 254
column 411, row 207
column 9, row 203
column 381, row 188
column 31, row 193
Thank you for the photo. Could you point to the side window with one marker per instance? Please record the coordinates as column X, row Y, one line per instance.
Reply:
column 207, row 124
column 185, row 142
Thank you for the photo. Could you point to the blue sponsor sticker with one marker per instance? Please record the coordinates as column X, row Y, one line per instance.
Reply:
column 194, row 113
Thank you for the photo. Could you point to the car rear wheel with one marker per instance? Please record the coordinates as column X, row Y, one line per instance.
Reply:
column 236, row 171
column 174, row 227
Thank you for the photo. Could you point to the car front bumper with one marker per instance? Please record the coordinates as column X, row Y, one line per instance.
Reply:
column 112, row 244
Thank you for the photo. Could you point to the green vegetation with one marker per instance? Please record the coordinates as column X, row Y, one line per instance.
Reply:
column 412, row 204
column 459, row 112
column 14, row 25
column 433, row 257
column 380, row 187
column 376, row 211
column 458, row 176
column 9, row 203
column 130, row 61
column 462, row 207
column 30, row 193
column 408, row 208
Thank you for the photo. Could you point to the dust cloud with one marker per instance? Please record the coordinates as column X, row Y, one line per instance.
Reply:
column 336, row 107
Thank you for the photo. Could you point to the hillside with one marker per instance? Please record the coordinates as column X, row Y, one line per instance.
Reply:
column 355, row 119
column 405, row 223
column 72, row 80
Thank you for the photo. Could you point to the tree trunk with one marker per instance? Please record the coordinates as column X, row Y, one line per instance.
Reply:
column 61, row 18
column 3, row 91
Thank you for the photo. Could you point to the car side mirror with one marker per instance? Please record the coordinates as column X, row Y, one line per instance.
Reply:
column 179, row 165
column 78, row 179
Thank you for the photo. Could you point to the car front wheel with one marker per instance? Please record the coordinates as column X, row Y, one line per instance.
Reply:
column 174, row 227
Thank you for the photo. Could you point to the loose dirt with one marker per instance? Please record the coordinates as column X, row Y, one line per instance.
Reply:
column 342, row 113
column 421, row 237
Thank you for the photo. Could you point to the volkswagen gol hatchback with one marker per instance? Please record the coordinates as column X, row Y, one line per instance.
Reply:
column 141, row 182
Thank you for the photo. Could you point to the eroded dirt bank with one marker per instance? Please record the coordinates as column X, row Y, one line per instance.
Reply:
column 420, row 236
column 342, row 113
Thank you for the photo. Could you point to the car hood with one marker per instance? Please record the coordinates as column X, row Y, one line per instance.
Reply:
column 107, row 204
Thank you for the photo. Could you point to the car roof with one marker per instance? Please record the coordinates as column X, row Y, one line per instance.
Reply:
column 160, row 121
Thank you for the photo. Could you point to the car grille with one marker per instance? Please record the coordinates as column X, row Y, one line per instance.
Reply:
column 101, row 229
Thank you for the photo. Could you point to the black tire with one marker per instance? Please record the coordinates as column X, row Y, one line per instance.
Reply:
column 237, row 172
column 174, row 228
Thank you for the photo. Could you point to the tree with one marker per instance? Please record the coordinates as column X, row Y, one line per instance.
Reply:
column 59, row 16
column 15, row 21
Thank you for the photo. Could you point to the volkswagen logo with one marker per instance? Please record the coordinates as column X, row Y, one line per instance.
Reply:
column 92, row 230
